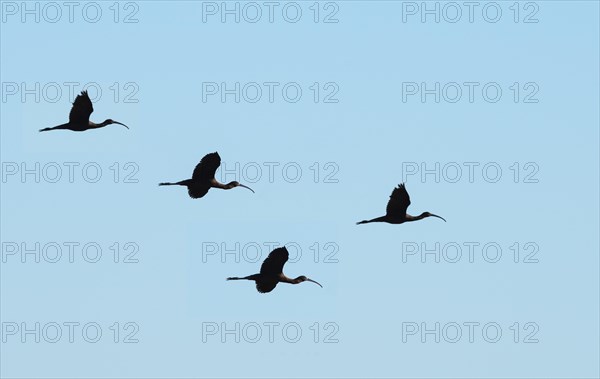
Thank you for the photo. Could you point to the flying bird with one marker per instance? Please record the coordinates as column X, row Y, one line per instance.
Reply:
column 396, row 209
column 271, row 272
column 79, row 118
column 203, row 178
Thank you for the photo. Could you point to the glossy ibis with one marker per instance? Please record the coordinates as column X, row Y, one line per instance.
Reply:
column 271, row 272
column 203, row 178
column 79, row 118
column 396, row 209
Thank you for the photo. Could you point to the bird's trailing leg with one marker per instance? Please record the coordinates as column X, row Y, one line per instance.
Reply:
column 181, row 183
column 378, row 219
column 250, row 277
column 63, row 126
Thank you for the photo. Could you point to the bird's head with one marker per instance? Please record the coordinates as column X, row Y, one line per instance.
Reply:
column 427, row 214
column 237, row 184
column 303, row 278
column 109, row 121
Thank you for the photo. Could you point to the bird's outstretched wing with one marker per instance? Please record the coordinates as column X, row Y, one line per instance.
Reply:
column 205, row 170
column 274, row 263
column 264, row 286
column 399, row 202
column 82, row 109
column 197, row 191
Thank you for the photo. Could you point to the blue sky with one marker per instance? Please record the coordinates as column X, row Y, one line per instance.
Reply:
column 334, row 161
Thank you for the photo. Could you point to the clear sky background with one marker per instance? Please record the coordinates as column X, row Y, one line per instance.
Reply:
column 173, row 299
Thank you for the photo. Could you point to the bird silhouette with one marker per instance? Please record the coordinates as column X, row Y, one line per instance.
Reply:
column 79, row 117
column 203, row 178
column 271, row 272
column 396, row 209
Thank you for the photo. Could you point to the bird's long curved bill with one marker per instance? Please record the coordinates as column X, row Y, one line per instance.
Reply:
column 241, row 185
column 314, row 281
column 117, row 122
column 438, row 217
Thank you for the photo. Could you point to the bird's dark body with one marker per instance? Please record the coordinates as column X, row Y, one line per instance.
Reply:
column 79, row 117
column 73, row 127
column 395, row 221
column 271, row 272
column 203, row 178
column 395, row 212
